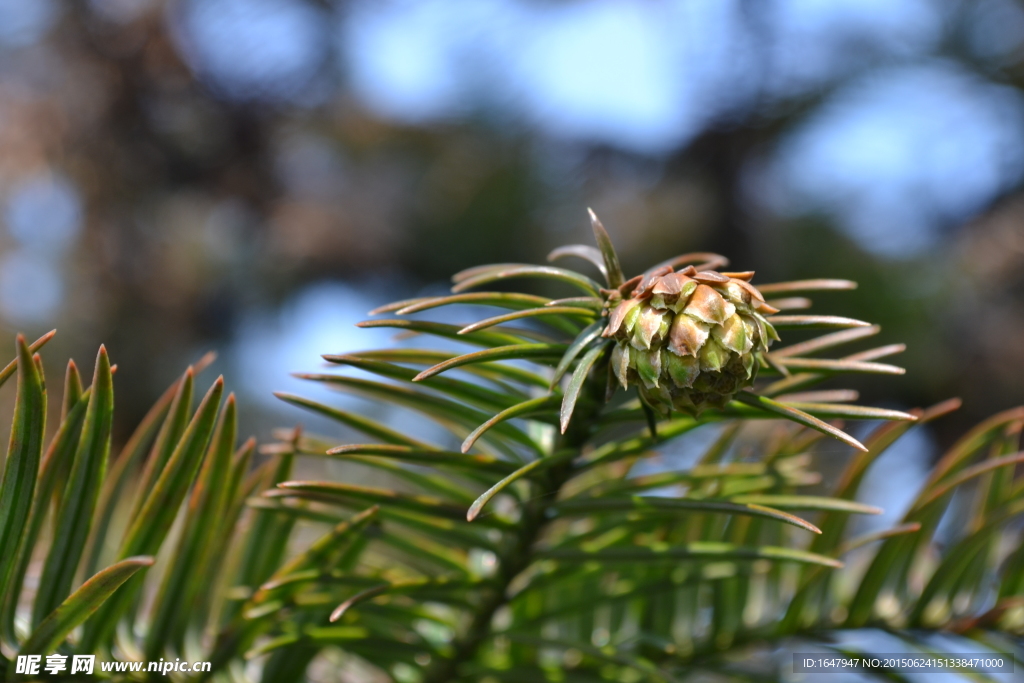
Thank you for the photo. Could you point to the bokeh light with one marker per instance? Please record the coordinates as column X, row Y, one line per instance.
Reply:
column 237, row 174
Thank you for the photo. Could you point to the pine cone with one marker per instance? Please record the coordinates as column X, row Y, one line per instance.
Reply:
column 690, row 339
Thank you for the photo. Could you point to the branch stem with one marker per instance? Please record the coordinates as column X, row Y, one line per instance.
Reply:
column 519, row 554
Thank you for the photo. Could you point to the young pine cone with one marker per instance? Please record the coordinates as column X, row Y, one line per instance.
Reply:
column 688, row 340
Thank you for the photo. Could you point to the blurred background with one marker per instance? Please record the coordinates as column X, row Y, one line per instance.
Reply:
column 252, row 176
